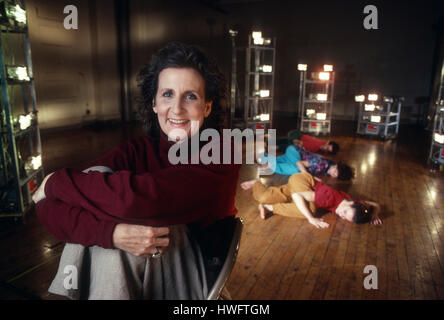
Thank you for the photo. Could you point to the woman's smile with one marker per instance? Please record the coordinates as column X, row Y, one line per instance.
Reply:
column 179, row 123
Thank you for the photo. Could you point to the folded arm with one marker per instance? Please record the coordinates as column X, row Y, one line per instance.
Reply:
column 74, row 225
column 157, row 199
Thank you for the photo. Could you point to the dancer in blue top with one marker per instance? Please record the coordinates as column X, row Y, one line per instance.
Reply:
column 298, row 159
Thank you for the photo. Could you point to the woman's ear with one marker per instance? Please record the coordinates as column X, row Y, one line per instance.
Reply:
column 154, row 107
column 208, row 107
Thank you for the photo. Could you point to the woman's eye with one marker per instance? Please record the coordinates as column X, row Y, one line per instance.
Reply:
column 167, row 94
column 191, row 96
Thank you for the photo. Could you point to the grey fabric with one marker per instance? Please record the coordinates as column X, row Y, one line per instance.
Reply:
column 113, row 274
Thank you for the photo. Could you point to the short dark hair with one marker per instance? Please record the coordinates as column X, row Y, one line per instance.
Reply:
column 345, row 172
column 179, row 55
column 362, row 213
column 335, row 147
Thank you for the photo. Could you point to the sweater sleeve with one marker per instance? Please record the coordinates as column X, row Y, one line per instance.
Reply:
column 174, row 195
column 71, row 223
column 74, row 225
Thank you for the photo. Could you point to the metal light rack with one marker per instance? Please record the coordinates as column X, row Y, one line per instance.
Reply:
column 379, row 116
column 252, row 82
column 316, row 100
column 436, row 154
column 21, row 170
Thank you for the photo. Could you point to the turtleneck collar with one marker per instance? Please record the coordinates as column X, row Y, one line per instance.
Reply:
column 165, row 145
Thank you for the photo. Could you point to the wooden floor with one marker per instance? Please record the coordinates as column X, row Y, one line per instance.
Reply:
column 283, row 258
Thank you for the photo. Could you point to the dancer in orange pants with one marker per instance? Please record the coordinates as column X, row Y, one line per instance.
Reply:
column 302, row 194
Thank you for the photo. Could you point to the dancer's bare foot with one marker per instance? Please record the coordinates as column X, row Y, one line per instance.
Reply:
column 263, row 208
column 248, row 184
column 262, row 211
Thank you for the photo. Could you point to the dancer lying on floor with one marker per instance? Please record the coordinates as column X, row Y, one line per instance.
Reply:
column 298, row 159
column 291, row 199
column 312, row 144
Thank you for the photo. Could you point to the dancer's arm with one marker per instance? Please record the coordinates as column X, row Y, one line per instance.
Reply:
column 300, row 199
column 375, row 220
column 302, row 165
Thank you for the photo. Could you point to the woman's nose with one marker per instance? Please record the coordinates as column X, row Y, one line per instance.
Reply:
column 176, row 106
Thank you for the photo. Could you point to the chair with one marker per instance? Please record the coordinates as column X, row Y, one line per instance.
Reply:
column 217, row 290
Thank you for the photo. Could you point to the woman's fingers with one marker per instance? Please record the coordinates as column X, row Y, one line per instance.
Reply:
column 319, row 223
column 140, row 240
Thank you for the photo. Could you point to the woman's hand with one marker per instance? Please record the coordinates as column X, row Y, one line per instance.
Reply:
column 140, row 241
column 319, row 223
column 39, row 194
column 376, row 221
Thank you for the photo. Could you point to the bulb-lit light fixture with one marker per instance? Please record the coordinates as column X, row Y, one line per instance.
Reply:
column 321, row 116
column 302, row 67
column 257, row 38
column 256, row 34
column 265, row 68
column 262, row 117
column 388, row 99
column 232, row 32
column 439, row 138
column 33, row 163
column 321, row 97
column 17, row 73
column 324, row 76
column 15, row 12
column 310, row 112
column 372, row 97
column 25, row 121
column 263, row 93
column 258, row 41
column 360, row 98
column 328, row 68
column 369, row 107
column 36, row 162
column 375, row 119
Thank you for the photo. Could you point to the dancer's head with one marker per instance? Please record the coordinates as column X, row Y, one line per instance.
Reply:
column 341, row 171
column 353, row 211
column 333, row 147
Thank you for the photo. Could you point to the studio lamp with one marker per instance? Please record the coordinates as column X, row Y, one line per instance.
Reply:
column 302, row 67
column 360, row 98
column 328, row 68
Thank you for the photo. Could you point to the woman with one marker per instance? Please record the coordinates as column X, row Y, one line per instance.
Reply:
column 291, row 200
column 298, row 159
column 143, row 205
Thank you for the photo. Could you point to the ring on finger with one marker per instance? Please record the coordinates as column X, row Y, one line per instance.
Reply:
column 157, row 254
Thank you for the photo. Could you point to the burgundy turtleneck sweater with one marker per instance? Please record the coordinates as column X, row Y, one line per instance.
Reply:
column 144, row 189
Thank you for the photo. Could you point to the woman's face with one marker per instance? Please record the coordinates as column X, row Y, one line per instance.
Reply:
column 345, row 210
column 180, row 102
column 333, row 171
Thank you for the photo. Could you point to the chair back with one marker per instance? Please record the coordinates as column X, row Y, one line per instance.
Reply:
column 228, row 264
